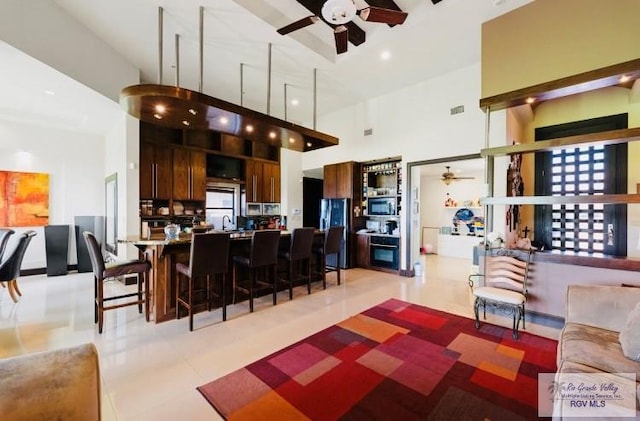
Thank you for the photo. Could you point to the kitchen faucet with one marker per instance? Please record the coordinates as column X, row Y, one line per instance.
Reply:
column 228, row 218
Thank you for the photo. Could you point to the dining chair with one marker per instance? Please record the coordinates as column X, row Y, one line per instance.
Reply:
column 5, row 234
column 208, row 257
column 297, row 256
column 505, row 277
column 10, row 267
column 105, row 271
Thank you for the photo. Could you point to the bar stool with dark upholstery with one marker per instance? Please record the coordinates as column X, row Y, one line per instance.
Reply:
column 209, row 257
column 331, row 246
column 263, row 256
column 299, row 254
column 103, row 272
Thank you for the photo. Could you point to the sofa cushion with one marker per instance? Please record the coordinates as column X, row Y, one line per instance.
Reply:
column 594, row 347
column 63, row 384
column 630, row 335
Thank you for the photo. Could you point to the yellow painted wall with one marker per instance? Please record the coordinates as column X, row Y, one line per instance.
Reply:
column 550, row 39
column 599, row 103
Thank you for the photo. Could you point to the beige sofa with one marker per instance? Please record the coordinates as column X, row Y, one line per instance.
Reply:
column 589, row 341
column 63, row 384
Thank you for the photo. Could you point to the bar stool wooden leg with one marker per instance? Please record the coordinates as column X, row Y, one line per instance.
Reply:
column 224, row 297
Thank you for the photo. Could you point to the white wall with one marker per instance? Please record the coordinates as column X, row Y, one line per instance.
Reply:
column 46, row 32
column 414, row 122
column 75, row 164
column 291, row 187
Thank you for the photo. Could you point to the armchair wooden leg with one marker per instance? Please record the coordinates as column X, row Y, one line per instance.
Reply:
column 11, row 288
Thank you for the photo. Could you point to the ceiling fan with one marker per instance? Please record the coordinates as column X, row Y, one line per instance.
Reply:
column 339, row 14
column 448, row 177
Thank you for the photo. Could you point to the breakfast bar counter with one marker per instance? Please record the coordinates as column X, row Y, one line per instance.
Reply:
column 165, row 254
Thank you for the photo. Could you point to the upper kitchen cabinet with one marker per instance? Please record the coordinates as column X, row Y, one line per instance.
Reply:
column 262, row 181
column 270, row 182
column 155, row 171
column 341, row 180
column 189, row 174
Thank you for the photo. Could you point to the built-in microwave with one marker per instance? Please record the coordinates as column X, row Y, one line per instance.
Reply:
column 381, row 206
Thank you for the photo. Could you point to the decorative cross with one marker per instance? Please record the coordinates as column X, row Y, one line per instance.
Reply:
column 526, row 231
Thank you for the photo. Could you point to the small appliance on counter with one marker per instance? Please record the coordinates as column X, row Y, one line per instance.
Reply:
column 390, row 226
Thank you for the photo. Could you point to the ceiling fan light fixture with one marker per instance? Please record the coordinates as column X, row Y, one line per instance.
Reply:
column 339, row 12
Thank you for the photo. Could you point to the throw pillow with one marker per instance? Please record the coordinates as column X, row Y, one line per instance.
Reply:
column 630, row 336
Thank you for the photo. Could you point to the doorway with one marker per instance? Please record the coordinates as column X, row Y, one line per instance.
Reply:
column 445, row 217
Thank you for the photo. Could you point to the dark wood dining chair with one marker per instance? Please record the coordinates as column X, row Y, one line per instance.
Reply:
column 332, row 245
column 208, row 258
column 103, row 272
column 263, row 257
column 10, row 266
column 297, row 256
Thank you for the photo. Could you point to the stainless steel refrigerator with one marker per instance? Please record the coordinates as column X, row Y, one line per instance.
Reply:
column 335, row 212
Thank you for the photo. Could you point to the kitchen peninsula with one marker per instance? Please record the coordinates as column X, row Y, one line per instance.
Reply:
column 165, row 254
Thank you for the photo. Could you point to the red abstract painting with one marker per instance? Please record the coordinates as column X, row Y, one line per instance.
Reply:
column 24, row 199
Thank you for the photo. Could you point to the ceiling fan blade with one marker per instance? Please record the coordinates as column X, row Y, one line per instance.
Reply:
column 299, row 24
column 381, row 15
column 341, row 34
column 464, row 178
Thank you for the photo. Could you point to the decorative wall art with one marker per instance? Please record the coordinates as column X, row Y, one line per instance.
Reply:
column 515, row 187
column 24, row 199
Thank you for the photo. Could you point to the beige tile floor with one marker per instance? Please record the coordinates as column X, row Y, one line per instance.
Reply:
column 150, row 372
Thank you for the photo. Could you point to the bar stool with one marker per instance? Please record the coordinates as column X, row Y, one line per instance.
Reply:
column 298, row 254
column 262, row 255
column 102, row 272
column 331, row 246
column 209, row 257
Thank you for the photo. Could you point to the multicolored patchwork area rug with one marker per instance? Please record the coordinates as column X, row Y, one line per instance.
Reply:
column 397, row 361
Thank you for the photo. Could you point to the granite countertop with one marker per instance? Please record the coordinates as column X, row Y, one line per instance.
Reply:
column 160, row 240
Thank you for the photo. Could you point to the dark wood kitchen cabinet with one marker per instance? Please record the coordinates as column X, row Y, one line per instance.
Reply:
column 342, row 180
column 362, row 250
column 262, row 181
column 270, row 182
column 189, row 174
column 155, row 171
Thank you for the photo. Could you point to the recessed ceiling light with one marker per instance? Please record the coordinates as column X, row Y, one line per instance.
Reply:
column 295, row 102
column 249, row 128
column 49, row 92
column 309, row 144
column 625, row 78
column 385, row 55
column 530, row 100
column 272, row 135
column 185, row 122
column 291, row 140
column 224, row 120
column 192, row 111
column 158, row 116
column 160, row 108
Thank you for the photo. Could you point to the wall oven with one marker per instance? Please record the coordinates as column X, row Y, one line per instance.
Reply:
column 384, row 252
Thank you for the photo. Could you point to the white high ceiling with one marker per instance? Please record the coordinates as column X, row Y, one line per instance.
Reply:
column 434, row 39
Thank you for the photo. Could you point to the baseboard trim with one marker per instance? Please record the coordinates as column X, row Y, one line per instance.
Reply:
column 43, row 271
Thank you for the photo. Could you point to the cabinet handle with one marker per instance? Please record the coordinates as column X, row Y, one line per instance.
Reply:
column 154, row 181
column 190, row 183
column 273, row 190
column 255, row 185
